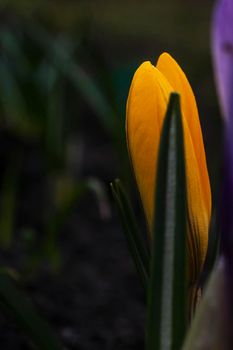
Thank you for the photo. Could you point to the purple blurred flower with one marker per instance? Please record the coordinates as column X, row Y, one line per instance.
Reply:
column 222, row 47
column 222, row 51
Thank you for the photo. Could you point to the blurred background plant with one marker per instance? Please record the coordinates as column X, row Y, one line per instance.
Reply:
column 43, row 89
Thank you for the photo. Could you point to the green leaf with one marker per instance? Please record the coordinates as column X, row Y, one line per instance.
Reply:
column 67, row 194
column 15, row 302
column 11, row 97
column 94, row 96
column 166, row 305
column 62, row 58
column 8, row 200
column 136, row 243
column 57, row 218
column 11, row 44
column 54, row 129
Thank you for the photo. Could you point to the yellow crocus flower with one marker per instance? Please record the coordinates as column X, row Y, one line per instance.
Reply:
column 146, row 106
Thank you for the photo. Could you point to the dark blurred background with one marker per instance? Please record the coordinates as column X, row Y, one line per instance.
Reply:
column 65, row 71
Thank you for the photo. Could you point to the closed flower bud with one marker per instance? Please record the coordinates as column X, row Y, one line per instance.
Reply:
column 146, row 107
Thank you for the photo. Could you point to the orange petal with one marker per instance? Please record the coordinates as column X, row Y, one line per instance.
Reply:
column 176, row 77
column 146, row 107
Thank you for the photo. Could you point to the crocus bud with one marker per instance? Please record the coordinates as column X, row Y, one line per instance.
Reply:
column 146, row 107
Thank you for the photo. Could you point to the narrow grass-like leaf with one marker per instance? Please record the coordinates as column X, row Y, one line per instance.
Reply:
column 15, row 302
column 68, row 194
column 166, row 319
column 180, row 259
column 8, row 200
column 139, row 240
column 11, row 98
column 11, row 45
column 136, row 243
column 81, row 80
column 54, row 130
column 57, row 219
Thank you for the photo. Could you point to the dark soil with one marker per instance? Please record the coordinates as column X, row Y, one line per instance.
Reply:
column 95, row 300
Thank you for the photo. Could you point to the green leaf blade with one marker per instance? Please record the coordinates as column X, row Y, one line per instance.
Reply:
column 167, row 287
column 133, row 236
column 180, row 261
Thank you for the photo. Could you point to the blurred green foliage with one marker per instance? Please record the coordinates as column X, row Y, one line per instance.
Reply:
column 46, row 82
